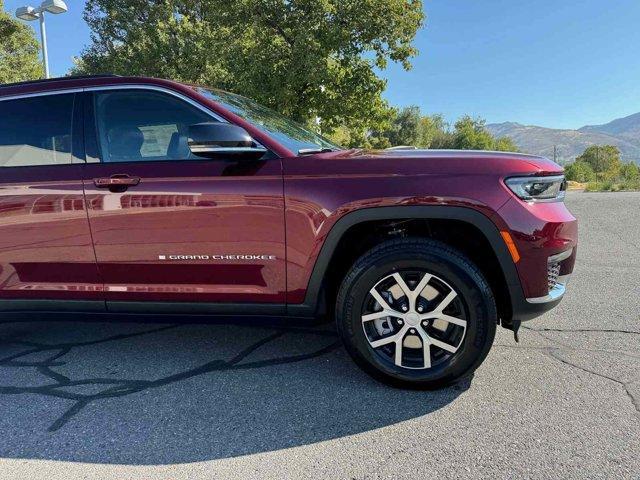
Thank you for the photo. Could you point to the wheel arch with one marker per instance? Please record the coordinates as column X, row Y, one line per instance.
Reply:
column 315, row 297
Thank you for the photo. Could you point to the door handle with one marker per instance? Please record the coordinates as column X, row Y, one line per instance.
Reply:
column 116, row 181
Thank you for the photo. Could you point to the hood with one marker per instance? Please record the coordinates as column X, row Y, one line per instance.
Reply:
column 453, row 161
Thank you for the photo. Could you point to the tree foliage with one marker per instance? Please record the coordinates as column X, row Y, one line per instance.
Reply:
column 470, row 134
column 609, row 173
column 602, row 159
column 409, row 127
column 580, row 171
column 433, row 131
column 405, row 129
column 305, row 58
column 18, row 50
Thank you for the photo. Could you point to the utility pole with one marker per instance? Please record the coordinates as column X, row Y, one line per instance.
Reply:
column 597, row 162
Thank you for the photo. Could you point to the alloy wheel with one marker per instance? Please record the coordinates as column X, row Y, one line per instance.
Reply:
column 414, row 319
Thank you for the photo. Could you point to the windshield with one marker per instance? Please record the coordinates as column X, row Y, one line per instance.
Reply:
column 291, row 134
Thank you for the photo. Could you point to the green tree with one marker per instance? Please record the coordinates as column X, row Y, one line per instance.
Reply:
column 470, row 134
column 505, row 144
column 434, row 132
column 409, row 127
column 18, row 50
column 305, row 58
column 603, row 159
column 405, row 127
column 580, row 171
column 408, row 130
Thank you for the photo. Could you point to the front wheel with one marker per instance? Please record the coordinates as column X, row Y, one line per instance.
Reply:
column 416, row 313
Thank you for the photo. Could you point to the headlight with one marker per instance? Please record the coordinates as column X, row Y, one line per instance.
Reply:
column 538, row 189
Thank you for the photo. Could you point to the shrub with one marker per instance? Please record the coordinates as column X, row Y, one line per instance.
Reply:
column 580, row 171
column 630, row 171
column 607, row 186
column 633, row 184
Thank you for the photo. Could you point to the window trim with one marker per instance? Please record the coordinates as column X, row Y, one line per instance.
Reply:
column 40, row 94
column 124, row 86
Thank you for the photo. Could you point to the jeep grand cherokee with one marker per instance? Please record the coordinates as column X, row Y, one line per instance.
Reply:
column 142, row 195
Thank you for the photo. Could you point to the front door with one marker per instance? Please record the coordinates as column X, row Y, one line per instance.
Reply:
column 45, row 243
column 171, row 227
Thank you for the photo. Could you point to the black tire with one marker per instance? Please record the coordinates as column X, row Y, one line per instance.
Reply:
column 447, row 264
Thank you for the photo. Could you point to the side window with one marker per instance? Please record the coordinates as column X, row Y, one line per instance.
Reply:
column 36, row 131
column 144, row 126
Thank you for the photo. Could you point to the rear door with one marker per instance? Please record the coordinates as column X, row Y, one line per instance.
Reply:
column 171, row 227
column 45, row 242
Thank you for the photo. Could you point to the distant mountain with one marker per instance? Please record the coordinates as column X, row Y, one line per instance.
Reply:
column 626, row 127
column 624, row 133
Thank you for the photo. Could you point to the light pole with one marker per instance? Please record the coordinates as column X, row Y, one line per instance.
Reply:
column 29, row 13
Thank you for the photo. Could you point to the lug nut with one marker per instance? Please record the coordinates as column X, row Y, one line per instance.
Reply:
column 413, row 330
column 400, row 322
column 404, row 308
column 425, row 323
column 420, row 309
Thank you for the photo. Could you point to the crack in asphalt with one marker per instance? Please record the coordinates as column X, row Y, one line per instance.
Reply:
column 634, row 402
column 569, row 348
column 123, row 387
column 580, row 330
column 550, row 351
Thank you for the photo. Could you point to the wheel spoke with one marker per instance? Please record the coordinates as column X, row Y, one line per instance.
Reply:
column 426, row 353
column 381, row 301
column 383, row 341
column 426, row 348
column 398, row 353
column 445, row 303
column 454, row 320
column 376, row 315
column 403, row 285
column 423, row 283
column 442, row 345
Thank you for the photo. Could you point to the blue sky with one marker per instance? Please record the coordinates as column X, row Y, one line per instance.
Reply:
column 556, row 63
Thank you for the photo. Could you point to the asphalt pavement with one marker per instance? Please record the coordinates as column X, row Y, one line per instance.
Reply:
column 82, row 399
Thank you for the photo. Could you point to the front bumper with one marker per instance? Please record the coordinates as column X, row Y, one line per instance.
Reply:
column 546, row 236
column 555, row 293
column 528, row 308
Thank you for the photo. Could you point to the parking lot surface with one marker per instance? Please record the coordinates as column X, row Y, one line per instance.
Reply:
column 173, row 400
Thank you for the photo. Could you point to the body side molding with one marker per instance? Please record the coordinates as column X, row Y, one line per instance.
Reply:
column 8, row 306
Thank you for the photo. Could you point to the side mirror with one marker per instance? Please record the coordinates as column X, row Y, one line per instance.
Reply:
column 223, row 141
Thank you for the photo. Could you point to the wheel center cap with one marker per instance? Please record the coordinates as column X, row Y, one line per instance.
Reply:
column 413, row 319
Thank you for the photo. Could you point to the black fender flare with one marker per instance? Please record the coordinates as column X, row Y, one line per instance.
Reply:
column 443, row 212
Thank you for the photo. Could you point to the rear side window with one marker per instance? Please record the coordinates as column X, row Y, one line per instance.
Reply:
column 143, row 126
column 36, row 131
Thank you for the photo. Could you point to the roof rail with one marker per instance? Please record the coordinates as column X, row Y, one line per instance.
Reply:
column 56, row 79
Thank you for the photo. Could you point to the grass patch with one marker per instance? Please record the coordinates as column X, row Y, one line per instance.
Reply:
column 611, row 186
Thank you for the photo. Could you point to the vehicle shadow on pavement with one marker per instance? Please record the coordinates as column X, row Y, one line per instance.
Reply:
column 141, row 393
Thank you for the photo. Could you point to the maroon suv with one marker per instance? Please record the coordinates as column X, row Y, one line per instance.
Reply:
column 150, row 196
